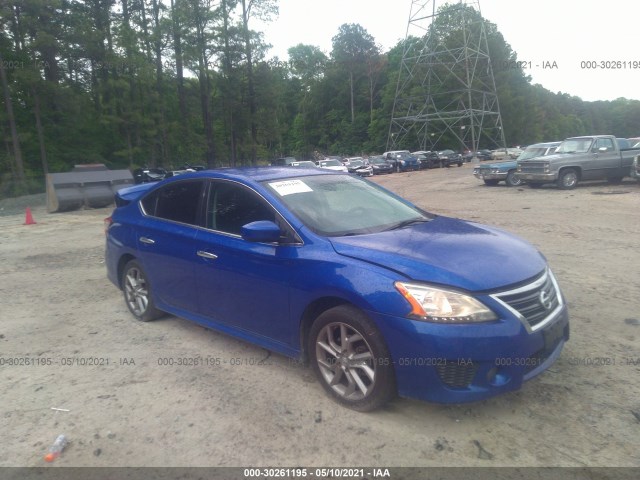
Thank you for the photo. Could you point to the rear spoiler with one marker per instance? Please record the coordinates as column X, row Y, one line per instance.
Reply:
column 127, row 195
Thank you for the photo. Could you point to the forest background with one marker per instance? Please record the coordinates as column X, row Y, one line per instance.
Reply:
column 131, row 83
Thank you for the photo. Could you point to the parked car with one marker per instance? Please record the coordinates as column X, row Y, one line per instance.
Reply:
column 359, row 167
column 335, row 157
column 195, row 168
column 380, row 165
column 506, row 171
column 147, row 174
column 402, row 160
column 428, row 159
column 332, row 164
column 596, row 157
column 449, row 157
column 347, row 160
column 283, row 161
column 503, row 153
column 480, row 155
column 381, row 297
column 303, row 164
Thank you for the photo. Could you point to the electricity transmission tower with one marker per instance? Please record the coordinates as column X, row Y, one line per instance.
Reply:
column 446, row 92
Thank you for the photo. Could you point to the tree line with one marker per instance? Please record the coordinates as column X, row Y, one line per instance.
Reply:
column 130, row 83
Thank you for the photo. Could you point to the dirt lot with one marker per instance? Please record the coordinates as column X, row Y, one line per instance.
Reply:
column 67, row 341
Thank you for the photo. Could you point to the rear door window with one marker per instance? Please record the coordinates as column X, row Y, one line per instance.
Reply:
column 178, row 202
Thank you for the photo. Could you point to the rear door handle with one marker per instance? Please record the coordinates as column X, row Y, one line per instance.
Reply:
column 148, row 241
column 210, row 256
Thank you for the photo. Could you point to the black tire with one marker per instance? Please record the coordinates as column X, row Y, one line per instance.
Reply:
column 360, row 374
column 513, row 180
column 568, row 179
column 137, row 293
column 459, row 164
column 491, row 182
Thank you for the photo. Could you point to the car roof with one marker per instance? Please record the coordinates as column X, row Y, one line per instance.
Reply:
column 545, row 145
column 256, row 174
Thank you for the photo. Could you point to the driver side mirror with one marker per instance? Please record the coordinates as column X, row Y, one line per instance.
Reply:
column 262, row 231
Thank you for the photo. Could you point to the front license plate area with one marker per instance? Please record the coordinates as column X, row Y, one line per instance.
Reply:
column 552, row 335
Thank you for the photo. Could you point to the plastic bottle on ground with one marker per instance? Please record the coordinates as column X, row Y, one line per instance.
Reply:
column 56, row 448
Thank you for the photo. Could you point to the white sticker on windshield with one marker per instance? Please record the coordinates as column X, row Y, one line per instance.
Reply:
column 288, row 187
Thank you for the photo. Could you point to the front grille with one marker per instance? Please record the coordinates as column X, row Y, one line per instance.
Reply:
column 532, row 167
column 456, row 374
column 535, row 302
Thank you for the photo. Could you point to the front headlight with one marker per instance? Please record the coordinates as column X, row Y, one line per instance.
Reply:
column 443, row 306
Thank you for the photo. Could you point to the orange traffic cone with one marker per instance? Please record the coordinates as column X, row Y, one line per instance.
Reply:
column 28, row 220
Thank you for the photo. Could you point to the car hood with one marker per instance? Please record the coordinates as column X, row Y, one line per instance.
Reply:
column 450, row 252
column 507, row 164
column 544, row 158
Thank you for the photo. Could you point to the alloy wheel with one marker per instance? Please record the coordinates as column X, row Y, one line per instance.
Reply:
column 346, row 361
column 136, row 291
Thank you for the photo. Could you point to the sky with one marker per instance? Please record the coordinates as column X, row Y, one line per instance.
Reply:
column 574, row 35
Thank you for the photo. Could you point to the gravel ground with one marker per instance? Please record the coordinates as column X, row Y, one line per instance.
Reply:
column 15, row 206
column 68, row 342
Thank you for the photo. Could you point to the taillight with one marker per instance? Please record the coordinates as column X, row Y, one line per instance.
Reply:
column 107, row 223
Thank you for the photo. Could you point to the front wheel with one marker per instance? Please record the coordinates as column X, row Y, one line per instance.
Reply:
column 351, row 359
column 568, row 179
column 513, row 180
column 137, row 292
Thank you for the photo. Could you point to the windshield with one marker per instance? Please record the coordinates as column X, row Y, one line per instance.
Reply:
column 377, row 160
column 532, row 152
column 575, row 145
column 356, row 163
column 340, row 205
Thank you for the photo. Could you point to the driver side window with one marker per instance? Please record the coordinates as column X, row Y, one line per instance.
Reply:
column 230, row 206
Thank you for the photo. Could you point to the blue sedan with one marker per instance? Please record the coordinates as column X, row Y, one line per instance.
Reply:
column 381, row 297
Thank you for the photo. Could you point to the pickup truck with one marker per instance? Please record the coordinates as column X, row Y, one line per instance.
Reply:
column 493, row 173
column 595, row 157
column 635, row 168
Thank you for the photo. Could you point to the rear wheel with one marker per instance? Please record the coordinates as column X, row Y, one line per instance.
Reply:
column 351, row 359
column 137, row 293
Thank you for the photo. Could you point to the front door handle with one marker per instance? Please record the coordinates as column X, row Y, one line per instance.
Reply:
column 204, row 254
column 148, row 241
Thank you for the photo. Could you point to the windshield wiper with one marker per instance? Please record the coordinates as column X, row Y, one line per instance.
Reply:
column 406, row 223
